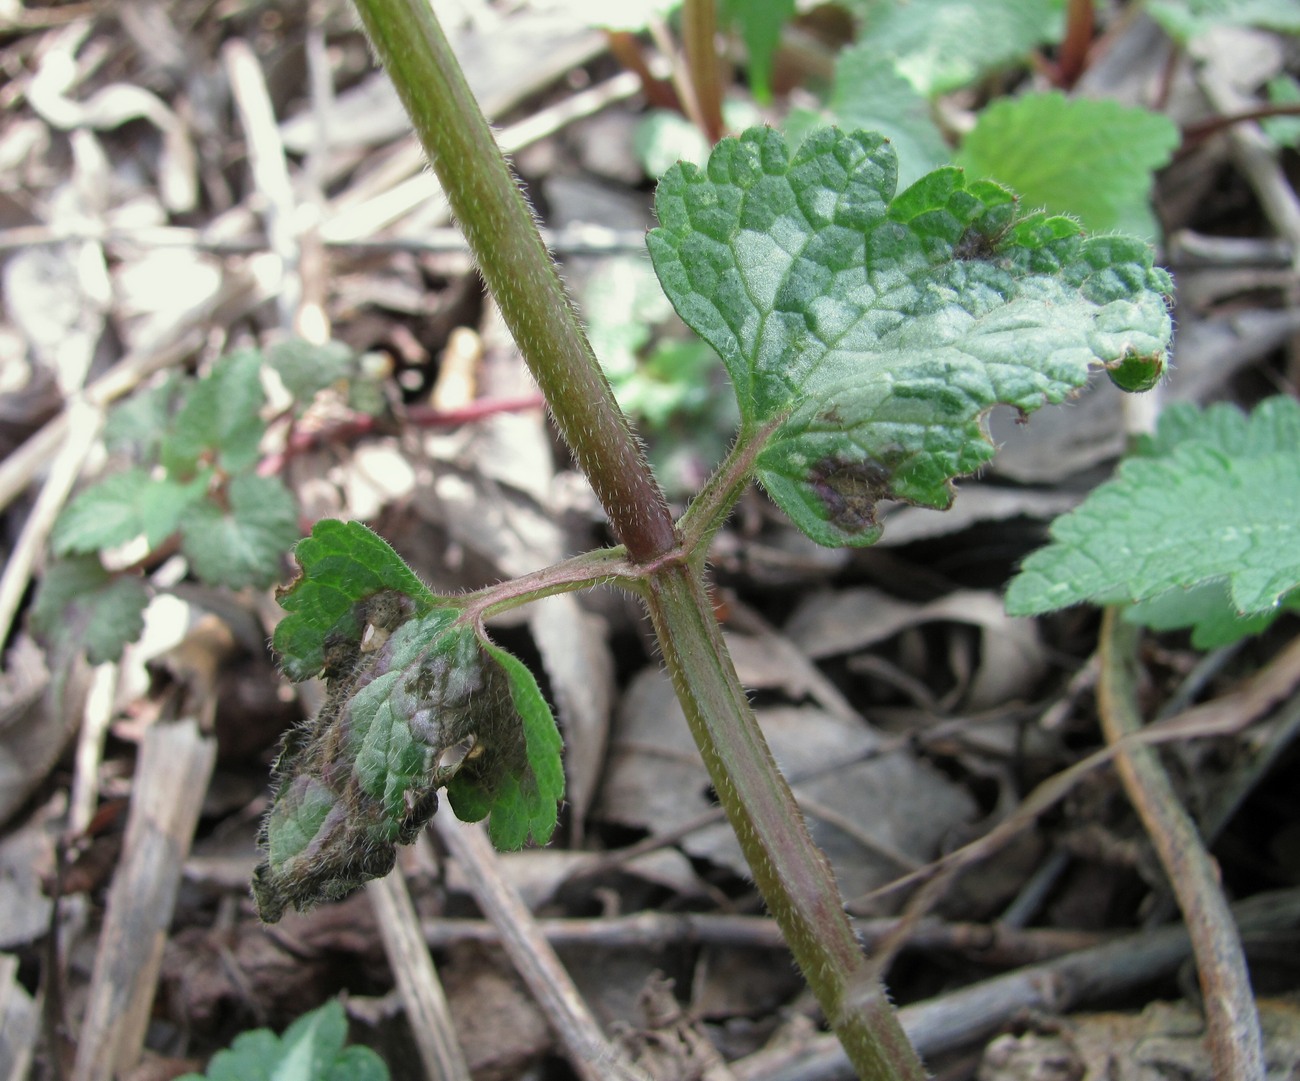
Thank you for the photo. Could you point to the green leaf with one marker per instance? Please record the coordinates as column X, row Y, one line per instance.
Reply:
column 220, row 420
column 367, row 390
column 663, row 137
column 624, row 305
column 873, row 332
column 941, row 45
column 1187, row 19
column 81, row 606
column 1283, row 130
column 416, row 699
column 311, row 1049
column 306, row 368
column 362, row 776
column 341, row 564
column 760, row 24
column 138, row 425
column 1273, row 428
column 518, row 779
column 1213, row 499
column 673, row 381
column 124, row 506
column 870, row 94
column 244, row 542
column 1093, row 159
column 1208, row 610
column 621, row 305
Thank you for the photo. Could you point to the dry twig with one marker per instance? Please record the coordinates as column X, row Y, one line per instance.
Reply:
column 423, row 998
column 171, row 779
column 1232, row 1021
column 973, row 1013
column 590, row 1054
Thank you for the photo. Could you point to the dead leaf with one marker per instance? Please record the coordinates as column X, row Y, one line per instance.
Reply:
column 1166, row 1040
column 873, row 814
column 845, row 621
column 32, row 735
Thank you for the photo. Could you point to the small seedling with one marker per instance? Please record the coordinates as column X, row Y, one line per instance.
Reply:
column 311, row 1049
column 183, row 477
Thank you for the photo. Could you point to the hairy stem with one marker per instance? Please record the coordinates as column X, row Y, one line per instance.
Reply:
column 791, row 872
column 503, row 236
column 714, row 502
column 601, row 567
column 793, row 875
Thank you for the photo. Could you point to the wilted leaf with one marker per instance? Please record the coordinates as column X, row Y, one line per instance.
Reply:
column 517, row 781
column 416, row 699
column 341, row 564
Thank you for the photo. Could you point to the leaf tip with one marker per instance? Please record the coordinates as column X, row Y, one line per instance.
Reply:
column 1137, row 372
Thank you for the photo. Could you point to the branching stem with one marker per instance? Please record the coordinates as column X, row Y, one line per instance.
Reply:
column 793, row 875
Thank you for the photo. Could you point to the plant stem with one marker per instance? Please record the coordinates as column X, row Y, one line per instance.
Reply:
column 1231, row 1020
column 503, row 236
column 795, row 878
column 714, row 502
column 791, row 872
column 1073, row 60
column 699, row 36
column 602, row 567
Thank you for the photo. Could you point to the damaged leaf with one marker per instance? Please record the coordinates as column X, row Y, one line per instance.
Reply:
column 878, row 329
column 416, row 698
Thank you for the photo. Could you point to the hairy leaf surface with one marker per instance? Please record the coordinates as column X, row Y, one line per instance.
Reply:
column 870, row 93
column 340, row 565
column 1199, row 526
column 1092, row 159
column 517, row 781
column 876, row 329
column 416, row 698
